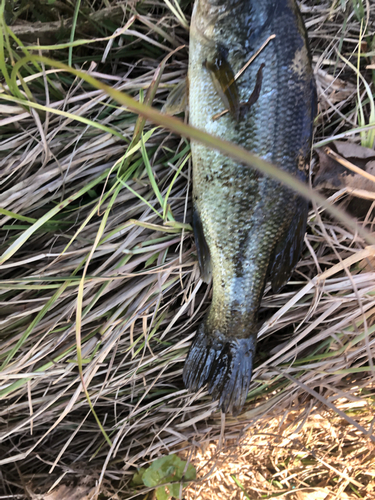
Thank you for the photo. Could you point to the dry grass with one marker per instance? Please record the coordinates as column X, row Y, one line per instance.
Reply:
column 295, row 460
column 100, row 255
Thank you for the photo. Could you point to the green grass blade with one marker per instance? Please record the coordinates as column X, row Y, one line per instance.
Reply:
column 26, row 235
column 73, row 30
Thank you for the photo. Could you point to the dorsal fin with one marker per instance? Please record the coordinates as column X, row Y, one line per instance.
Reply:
column 224, row 81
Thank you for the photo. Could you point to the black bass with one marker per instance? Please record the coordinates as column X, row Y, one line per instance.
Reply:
column 248, row 227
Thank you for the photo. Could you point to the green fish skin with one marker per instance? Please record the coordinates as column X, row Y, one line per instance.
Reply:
column 248, row 228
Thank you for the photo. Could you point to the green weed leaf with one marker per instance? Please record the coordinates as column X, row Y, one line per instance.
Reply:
column 164, row 470
column 161, row 494
column 138, row 477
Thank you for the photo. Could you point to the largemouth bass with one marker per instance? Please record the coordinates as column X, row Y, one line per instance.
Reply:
column 248, row 227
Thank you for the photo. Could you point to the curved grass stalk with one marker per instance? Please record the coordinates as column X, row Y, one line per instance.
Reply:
column 230, row 149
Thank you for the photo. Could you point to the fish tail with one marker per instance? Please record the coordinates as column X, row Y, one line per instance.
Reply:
column 223, row 363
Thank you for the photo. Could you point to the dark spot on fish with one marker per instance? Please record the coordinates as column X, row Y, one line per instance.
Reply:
column 219, row 61
column 223, row 51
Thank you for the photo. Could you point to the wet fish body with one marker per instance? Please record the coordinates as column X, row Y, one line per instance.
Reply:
column 248, row 228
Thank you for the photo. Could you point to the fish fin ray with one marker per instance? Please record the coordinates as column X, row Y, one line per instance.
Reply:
column 224, row 364
column 177, row 100
column 289, row 248
column 203, row 252
column 223, row 79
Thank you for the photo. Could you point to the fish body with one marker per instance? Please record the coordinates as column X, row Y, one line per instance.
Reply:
column 248, row 227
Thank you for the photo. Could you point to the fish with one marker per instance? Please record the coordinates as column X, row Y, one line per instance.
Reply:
column 248, row 228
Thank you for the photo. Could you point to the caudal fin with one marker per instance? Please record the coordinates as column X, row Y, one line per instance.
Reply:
column 225, row 364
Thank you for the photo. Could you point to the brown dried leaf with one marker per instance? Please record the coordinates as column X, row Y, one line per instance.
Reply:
column 333, row 175
column 351, row 150
column 332, row 89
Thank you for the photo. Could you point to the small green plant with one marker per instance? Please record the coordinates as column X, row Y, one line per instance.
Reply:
column 165, row 470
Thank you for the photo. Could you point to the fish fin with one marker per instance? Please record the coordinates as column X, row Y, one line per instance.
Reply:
column 223, row 79
column 224, row 364
column 203, row 252
column 288, row 250
column 177, row 100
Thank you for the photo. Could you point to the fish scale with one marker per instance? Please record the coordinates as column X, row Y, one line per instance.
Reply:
column 248, row 227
